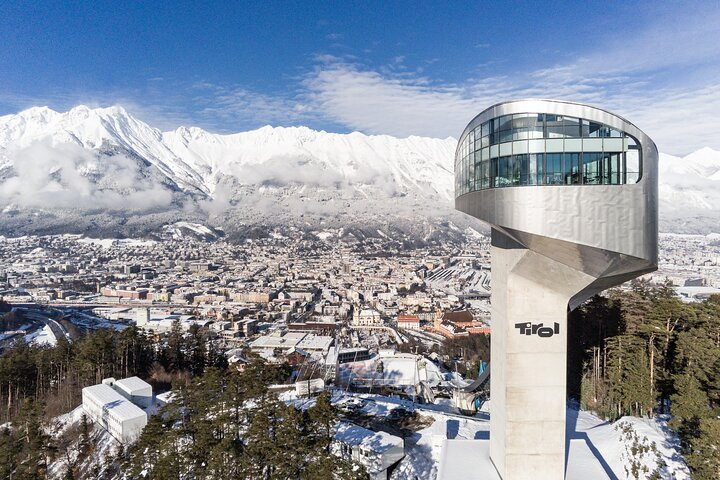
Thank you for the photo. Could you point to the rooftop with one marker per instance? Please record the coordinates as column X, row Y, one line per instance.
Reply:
column 117, row 405
column 132, row 384
column 350, row 434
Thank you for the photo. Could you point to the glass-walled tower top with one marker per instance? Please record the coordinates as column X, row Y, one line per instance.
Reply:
column 545, row 170
column 544, row 148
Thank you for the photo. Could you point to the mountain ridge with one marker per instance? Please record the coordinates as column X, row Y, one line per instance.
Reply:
column 106, row 160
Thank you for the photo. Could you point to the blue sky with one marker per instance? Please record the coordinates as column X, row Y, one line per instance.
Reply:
column 399, row 68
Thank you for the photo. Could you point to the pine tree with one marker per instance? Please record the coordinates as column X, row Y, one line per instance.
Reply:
column 69, row 475
column 703, row 456
column 215, row 358
column 10, row 448
column 197, row 351
column 690, row 401
column 84, row 433
column 174, row 352
column 36, row 444
column 323, row 417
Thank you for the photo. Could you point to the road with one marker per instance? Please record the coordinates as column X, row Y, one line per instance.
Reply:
column 58, row 330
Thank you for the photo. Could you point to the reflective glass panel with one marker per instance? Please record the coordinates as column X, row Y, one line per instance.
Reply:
column 554, row 126
column 505, row 123
column 522, row 162
column 544, row 149
column 493, row 172
column 571, row 127
column 503, row 178
column 553, row 168
column 484, row 174
column 537, row 164
column 592, row 168
column 571, row 168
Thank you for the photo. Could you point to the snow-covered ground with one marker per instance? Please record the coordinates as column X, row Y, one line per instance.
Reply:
column 106, row 447
column 43, row 336
column 109, row 242
column 597, row 449
column 627, row 449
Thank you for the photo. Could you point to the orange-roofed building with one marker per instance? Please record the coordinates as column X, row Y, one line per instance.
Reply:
column 408, row 322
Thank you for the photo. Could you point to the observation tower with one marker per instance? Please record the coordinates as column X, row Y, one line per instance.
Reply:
column 570, row 192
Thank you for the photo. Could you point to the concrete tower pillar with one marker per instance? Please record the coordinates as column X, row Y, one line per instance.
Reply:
column 530, row 295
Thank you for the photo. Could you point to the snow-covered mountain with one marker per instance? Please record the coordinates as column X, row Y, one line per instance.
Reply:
column 196, row 160
column 89, row 169
column 690, row 192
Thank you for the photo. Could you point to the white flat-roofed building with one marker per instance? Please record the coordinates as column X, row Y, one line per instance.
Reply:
column 276, row 340
column 408, row 322
column 376, row 451
column 136, row 390
column 305, row 341
column 367, row 317
column 315, row 343
column 118, row 415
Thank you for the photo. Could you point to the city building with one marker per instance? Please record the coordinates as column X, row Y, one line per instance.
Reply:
column 570, row 192
column 289, row 340
column 114, row 412
column 358, row 354
column 366, row 317
column 134, row 389
column 408, row 322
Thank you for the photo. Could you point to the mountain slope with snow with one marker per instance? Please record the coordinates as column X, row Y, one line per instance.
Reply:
column 689, row 190
column 89, row 167
column 194, row 158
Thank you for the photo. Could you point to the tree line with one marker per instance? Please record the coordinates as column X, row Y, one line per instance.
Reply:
column 644, row 352
column 55, row 375
column 222, row 423
column 227, row 424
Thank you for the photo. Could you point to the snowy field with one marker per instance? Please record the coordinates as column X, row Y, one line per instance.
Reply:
column 43, row 336
column 597, row 449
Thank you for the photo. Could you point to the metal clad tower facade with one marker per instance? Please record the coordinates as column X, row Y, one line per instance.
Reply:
column 570, row 192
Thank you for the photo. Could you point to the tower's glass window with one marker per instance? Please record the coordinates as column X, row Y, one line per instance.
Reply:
column 536, row 164
column 592, row 168
column 494, row 173
column 553, row 169
column 571, row 168
column 545, row 149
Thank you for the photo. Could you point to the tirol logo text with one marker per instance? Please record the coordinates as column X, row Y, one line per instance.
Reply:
column 527, row 328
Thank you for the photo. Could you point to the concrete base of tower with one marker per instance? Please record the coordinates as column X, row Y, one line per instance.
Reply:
column 530, row 295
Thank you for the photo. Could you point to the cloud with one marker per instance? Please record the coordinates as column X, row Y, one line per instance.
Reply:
column 374, row 103
column 219, row 202
column 66, row 176
column 664, row 79
column 235, row 105
column 661, row 77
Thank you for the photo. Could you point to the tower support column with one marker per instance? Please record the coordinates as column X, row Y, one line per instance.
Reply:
column 530, row 295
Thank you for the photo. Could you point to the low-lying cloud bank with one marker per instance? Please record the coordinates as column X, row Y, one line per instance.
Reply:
column 67, row 176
